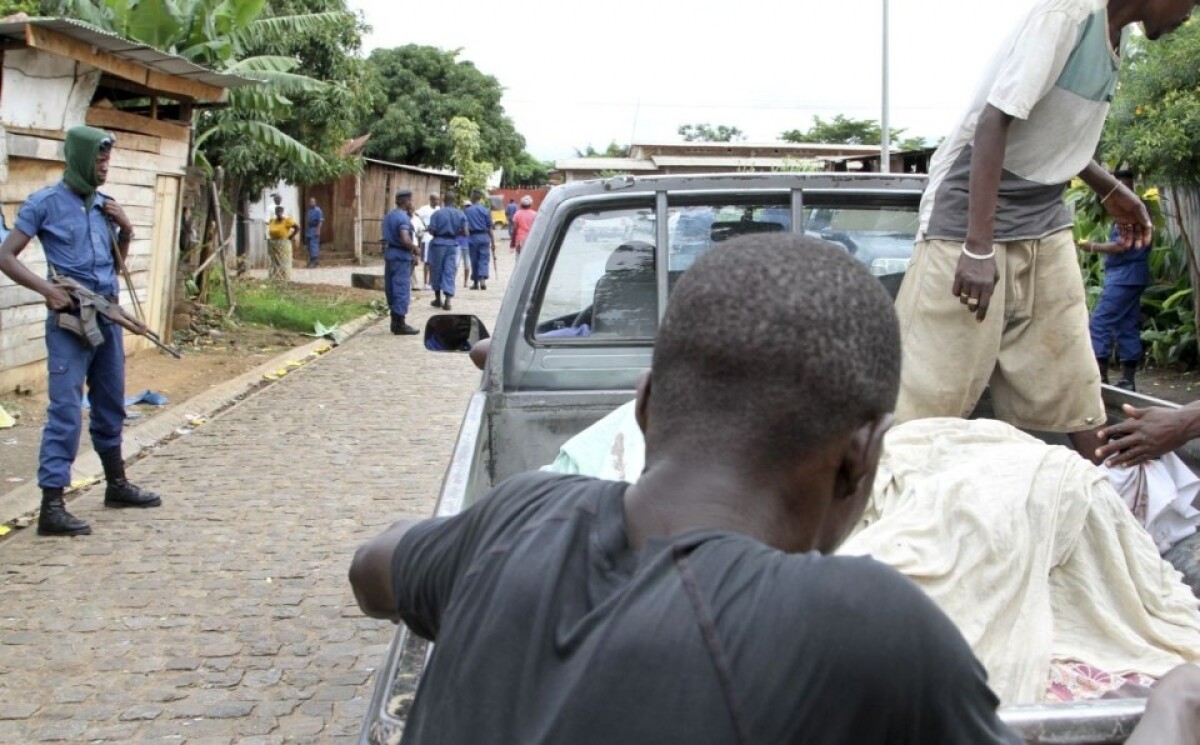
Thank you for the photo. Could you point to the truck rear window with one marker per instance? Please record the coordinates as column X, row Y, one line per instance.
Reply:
column 602, row 285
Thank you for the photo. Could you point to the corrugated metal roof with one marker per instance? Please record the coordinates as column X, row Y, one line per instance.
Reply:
column 415, row 169
column 604, row 164
column 716, row 161
column 741, row 145
column 169, row 64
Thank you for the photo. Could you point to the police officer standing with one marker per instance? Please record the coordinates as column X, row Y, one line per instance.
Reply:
column 400, row 247
column 1118, row 314
column 312, row 231
column 74, row 223
column 446, row 225
column 482, row 241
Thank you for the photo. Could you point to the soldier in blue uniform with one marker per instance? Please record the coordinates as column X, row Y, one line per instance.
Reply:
column 400, row 248
column 312, row 231
column 1118, row 315
column 446, row 225
column 482, row 241
column 75, row 225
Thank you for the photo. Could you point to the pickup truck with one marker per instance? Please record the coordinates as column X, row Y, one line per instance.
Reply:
column 576, row 329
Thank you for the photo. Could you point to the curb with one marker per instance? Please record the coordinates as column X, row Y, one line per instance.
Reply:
column 140, row 441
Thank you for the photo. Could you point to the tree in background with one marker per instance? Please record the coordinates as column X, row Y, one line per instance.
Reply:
column 527, row 171
column 1154, row 128
column 423, row 88
column 262, row 135
column 28, row 7
column 466, row 144
column 708, row 133
column 612, row 151
column 841, row 130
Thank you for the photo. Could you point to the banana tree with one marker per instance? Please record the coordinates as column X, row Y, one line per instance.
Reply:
column 222, row 34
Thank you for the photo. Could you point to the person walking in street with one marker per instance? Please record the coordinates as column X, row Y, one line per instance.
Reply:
column 75, row 224
column 400, row 249
column 464, row 250
column 509, row 212
column 426, row 214
column 482, row 240
column 312, row 231
column 1118, row 314
column 993, row 294
column 523, row 223
column 281, row 241
column 446, row 225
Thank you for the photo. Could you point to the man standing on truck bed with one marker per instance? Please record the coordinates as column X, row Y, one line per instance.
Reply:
column 994, row 295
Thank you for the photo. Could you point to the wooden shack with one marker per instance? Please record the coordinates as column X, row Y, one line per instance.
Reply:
column 58, row 74
column 355, row 205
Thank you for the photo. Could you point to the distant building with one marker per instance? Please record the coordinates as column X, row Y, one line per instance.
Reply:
column 656, row 159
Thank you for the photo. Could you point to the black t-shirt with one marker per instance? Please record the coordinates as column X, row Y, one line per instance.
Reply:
column 550, row 629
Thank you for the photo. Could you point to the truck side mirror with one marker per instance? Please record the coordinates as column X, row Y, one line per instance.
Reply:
column 452, row 332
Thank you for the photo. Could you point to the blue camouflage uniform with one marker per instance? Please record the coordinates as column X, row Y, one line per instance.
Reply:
column 479, row 224
column 397, row 282
column 78, row 243
column 312, row 232
column 1117, row 314
column 446, row 225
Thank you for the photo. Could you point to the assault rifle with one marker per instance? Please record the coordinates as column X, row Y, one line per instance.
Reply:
column 92, row 304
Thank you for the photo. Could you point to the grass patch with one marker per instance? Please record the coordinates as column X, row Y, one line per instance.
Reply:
column 290, row 306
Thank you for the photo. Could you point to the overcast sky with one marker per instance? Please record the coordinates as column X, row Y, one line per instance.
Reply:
column 577, row 73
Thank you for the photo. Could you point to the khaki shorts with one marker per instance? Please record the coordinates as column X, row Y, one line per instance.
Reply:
column 1033, row 348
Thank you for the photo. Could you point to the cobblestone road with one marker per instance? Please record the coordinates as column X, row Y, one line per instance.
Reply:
column 225, row 615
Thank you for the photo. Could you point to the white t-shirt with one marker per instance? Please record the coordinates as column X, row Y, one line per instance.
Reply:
column 424, row 213
column 1055, row 75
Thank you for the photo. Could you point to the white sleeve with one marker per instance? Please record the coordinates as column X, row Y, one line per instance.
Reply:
column 1033, row 63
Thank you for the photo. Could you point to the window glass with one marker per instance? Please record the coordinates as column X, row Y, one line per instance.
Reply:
column 880, row 237
column 697, row 228
column 601, row 284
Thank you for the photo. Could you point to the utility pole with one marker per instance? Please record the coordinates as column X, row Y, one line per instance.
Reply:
column 885, row 150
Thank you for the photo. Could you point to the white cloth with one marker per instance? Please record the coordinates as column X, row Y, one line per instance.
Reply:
column 1160, row 494
column 1025, row 546
column 1029, row 550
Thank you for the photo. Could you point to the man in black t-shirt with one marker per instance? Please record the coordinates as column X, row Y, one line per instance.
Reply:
column 699, row 605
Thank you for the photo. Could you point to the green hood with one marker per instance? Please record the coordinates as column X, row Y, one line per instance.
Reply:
column 81, row 148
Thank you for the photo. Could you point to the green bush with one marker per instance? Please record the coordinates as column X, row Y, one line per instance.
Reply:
column 1168, row 318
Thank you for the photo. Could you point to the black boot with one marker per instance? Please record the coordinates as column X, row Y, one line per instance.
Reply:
column 483, row 284
column 446, row 302
column 1103, row 363
column 400, row 328
column 1128, row 373
column 474, row 285
column 121, row 493
column 54, row 518
column 437, row 299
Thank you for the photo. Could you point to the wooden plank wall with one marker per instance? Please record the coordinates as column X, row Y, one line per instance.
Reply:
column 145, row 150
column 378, row 197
